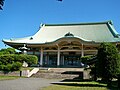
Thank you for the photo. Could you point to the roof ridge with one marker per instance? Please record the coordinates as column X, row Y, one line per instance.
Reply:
column 83, row 23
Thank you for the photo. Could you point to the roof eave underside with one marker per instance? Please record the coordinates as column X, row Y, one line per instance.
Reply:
column 16, row 44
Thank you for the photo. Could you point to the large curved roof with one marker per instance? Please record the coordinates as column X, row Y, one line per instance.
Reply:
column 88, row 32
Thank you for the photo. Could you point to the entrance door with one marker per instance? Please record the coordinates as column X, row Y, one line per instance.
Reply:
column 72, row 60
column 53, row 60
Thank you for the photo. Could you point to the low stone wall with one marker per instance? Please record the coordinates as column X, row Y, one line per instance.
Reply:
column 54, row 75
column 15, row 73
column 65, row 69
column 86, row 74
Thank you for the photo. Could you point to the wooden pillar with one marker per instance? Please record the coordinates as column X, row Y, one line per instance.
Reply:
column 41, row 56
column 58, row 56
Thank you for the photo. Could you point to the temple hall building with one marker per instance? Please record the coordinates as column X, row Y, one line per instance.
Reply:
column 65, row 44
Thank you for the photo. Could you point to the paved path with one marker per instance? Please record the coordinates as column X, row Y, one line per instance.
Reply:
column 25, row 84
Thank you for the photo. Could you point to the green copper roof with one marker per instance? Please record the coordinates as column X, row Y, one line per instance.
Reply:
column 70, row 24
column 88, row 32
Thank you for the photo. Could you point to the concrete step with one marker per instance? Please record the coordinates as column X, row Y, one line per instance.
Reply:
column 59, row 73
column 65, row 69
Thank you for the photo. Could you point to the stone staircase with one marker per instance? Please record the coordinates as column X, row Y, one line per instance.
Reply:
column 28, row 73
column 65, row 69
column 59, row 73
column 34, row 71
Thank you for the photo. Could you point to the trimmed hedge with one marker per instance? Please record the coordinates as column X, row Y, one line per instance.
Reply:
column 85, row 59
column 13, row 62
column 90, row 59
column 11, row 58
column 30, row 59
column 7, row 51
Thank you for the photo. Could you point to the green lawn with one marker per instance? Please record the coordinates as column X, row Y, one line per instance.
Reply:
column 78, row 86
column 27, row 68
column 62, row 87
column 8, row 77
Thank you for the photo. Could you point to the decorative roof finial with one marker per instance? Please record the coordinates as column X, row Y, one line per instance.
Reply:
column 69, row 35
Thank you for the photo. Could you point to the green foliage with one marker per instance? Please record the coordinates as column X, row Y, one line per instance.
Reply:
column 16, row 66
column 89, row 60
column 6, row 59
column 1, row 4
column 30, row 59
column 84, row 59
column 7, row 67
column 7, row 51
column 11, row 67
column 13, row 62
column 118, row 47
column 11, row 58
column 108, row 64
column 2, row 66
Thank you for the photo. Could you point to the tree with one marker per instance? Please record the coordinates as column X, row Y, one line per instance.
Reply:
column 1, row 4
column 10, row 61
column 108, row 62
column 13, row 62
column 59, row 0
column 7, row 51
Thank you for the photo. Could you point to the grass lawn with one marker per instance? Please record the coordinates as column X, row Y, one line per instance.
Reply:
column 27, row 68
column 61, row 87
column 8, row 77
column 78, row 86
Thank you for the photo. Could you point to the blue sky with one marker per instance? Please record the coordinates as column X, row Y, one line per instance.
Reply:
column 21, row 18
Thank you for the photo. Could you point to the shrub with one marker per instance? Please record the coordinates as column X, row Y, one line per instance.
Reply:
column 7, row 51
column 2, row 67
column 91, row 59
column 31, row 59
column 11, row 67
column 85, row 58
column 7, row 67
column 7, row 58
column 108, row 64
column 16, row 66
column 13, row 62
column 11, row 58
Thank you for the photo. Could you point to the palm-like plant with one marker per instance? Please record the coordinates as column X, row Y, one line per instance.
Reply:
column 1, row 4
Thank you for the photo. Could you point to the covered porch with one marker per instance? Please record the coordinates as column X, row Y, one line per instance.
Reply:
column 64, row 52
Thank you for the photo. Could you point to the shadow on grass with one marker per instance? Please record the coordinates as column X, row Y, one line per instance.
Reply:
column 75, row 84
column 80, row 82
column 80, row 85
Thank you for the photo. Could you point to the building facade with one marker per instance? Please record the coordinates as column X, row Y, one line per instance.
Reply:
column 65, row 44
